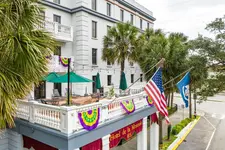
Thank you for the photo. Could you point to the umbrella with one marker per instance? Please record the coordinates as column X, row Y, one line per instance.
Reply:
column 98, row 82
column 123, row 82
column 74, row 78
column 51, row 76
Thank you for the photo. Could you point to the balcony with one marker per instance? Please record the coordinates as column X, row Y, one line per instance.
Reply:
column 60, row 32
column 56, row 66
column 65, row 118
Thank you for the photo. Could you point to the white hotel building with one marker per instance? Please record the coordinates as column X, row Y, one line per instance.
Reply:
column 79, row 26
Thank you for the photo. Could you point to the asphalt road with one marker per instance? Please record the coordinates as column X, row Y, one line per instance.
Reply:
column 209, row 133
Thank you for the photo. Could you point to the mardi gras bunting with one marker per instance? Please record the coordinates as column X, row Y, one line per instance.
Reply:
column 149, row 100
column 64, row 61
column 128, row 106
column 89, row 119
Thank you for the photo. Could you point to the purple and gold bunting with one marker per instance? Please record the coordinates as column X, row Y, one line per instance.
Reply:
column 64, row 61
column 128, row 106
column 150, row 101
column 89, row 119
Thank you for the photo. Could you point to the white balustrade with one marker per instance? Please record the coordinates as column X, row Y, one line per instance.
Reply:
column 61, row 32
column 65, row 119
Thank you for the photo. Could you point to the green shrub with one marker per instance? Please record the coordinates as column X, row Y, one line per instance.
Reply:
column 175, row 130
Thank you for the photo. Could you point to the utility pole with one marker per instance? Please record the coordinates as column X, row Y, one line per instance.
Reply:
column 195, row 109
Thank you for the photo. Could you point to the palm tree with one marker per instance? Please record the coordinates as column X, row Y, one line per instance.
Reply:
column 120, row 44
column 23, row 50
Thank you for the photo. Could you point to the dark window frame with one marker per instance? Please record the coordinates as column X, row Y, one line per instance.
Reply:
column 94, row 89
column 55, row 20
column 94, row 5
column 108, row 9
column 121, row 15
column 141, row 23
column 109, row 80
column 141, row 77
column 132, row 78
column 94, row 29
column 132, row 19
column 94, row 56
column 148, row 25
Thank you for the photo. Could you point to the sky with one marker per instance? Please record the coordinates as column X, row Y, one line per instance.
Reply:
column 187, row 16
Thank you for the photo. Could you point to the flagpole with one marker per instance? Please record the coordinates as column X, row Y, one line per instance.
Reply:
column 160, row 62
column 178, row 76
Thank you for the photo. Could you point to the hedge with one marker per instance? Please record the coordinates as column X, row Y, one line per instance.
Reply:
column 177, row 128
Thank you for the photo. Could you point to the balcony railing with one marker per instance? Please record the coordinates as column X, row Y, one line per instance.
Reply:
column 65, row 119
column 56, row 66
column 61, row 32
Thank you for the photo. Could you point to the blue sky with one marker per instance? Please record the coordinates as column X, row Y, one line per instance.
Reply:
column 187, row 16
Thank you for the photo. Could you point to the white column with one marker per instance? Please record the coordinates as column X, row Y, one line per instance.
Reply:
column 142, row 136
column 105, row 142
column 154, row 136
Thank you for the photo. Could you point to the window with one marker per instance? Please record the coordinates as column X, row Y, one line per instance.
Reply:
column 94, row 29
column 57, row 18
column 94, row 89
column 40, row 90
column 94, row 56
column 148, row 25
column 131, row 64
column 109, row 80
column 108, row 9
column 57, row 51
column 56, row 1
column 132, row 19
column 141, row 23
column 121, row 15
column 108, row 63
column 141, row 77
column 132, row 78
column 58, row 86
column 94, row 5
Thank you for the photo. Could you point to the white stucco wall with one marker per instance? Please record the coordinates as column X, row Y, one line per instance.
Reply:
column 81, row 47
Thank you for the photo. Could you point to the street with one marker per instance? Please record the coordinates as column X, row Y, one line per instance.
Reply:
column 209, row 133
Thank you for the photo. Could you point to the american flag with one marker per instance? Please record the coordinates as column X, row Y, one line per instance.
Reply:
column 154, row 89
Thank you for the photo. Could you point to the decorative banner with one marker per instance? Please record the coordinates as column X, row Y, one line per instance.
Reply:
column 149, row 100
column 64, row 61
column 154, row 118
column 125, row 133
column 89, row 119
column 128, row 106
column 96, row 145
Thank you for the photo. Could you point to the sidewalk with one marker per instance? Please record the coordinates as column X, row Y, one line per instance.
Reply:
column 175, row 118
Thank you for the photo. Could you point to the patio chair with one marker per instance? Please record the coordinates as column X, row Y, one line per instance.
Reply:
column 56, row 93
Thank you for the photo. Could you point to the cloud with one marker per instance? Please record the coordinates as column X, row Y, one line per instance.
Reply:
column 187, row 16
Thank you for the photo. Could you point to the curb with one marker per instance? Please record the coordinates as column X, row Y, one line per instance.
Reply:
column 179, row 140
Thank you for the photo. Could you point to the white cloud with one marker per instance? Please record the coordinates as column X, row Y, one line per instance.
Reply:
column 187, row 16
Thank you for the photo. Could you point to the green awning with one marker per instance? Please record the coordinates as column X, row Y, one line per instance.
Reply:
column 51, row 76
column 123, row 82
column 98, row 82
column 74, row 78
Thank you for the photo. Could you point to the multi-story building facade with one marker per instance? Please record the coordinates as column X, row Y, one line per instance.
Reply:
column 80, row 26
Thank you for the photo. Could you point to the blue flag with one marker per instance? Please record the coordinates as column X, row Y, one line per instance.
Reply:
column 183, row 86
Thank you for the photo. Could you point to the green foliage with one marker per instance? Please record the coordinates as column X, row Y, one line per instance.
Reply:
column 212, row 49
column 23, row 51
column 177, row 128
column 120, row 44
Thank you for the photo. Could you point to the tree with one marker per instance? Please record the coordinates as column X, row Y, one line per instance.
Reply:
column 213, row 50
column 173, row 48
column 23, row 50
column 120, row 44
